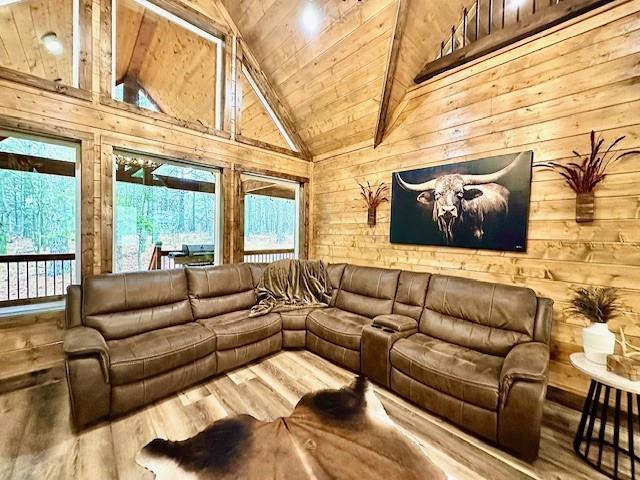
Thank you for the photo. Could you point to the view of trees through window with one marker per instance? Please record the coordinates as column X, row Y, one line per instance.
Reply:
column 37, row 210
column 160, row 202
column 38, row 233
column 269, row 214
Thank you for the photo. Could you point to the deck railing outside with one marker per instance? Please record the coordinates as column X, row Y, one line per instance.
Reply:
column 160, row 259
column 266, row 256
column 33, row 278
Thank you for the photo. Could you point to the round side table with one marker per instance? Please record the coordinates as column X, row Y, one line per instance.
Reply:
column 587, row 441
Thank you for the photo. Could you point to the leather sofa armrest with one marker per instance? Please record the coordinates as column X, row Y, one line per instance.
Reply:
column 527, row 362
column 83, row 341
column 396, row 323
column 73, row 307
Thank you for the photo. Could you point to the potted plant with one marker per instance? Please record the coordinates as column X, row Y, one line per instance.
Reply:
column 373, row 199
column 598, row 305
column 583, row 177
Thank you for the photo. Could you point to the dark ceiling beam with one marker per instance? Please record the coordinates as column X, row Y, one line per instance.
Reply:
column 402, row 6
column 541, row 21
column 155, row 180
column 28, row 163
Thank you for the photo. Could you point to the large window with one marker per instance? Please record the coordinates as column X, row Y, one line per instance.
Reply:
column 161, row 206
column 38, row 217
column 40, row 37
column 271, row 218
column 164, row 64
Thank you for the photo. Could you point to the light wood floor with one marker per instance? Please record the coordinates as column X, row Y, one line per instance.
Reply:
column 36, row 440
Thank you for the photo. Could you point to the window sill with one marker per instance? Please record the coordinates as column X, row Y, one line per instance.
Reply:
column 44, row 84
column 110, row 102
column 33, row 308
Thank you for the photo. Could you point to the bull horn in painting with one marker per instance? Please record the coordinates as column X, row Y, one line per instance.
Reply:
column 493, row 177
column 416, row 187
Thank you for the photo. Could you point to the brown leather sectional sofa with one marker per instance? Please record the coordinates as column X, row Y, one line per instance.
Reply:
column 475, row 353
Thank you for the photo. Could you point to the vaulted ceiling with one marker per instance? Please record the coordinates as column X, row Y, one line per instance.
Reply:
column 327, row 59
column 328, row 70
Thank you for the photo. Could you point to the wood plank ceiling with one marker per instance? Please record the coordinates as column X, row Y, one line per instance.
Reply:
column 22, row 26
column 329, row 66
column 330, row 74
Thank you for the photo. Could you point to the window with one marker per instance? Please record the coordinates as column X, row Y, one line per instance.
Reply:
column 258, row 120
column 161, row 205
column 40, row 38
column 164, row 64
column 38, row 217
column 271, row 218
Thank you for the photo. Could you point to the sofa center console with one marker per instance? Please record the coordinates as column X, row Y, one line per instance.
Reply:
column 377, row 340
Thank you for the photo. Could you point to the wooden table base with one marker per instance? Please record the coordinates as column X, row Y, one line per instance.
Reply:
column 588, row 441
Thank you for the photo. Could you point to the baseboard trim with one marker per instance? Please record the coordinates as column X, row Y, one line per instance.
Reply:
column 32, row 379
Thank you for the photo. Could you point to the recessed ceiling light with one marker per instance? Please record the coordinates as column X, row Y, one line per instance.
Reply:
column 52, row 44
column 311, row 18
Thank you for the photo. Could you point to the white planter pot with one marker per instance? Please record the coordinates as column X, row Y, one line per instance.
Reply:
column 598, row 342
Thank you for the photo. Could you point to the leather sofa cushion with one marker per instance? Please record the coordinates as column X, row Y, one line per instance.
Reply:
column 335, row 272
column 367, row 291
column 470, row 376
column 490, row 304
column 127, row 304
column 296, row 319
column 257, row 269
column 338, row 326
column 236, row 329
column 151, row 353
column 218, row 290
column 412, row 289
column 487, row 317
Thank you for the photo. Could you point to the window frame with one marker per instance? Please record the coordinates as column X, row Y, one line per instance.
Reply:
column 188, row 18
column 299, row 241
column 33, row 136
column 82, row 59
column 180, row 162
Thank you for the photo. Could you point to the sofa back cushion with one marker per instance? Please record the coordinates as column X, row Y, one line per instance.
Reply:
column 412, row 289
column 127, row 304
column 367, row 291
column 487, row 317
column 335, row 272
column 218, row 290
column 257, row 269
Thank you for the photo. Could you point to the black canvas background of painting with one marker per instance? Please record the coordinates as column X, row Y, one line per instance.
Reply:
column 412, row 222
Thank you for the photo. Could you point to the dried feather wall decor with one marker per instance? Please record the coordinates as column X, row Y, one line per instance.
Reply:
column 373, row 199
column 585, row 176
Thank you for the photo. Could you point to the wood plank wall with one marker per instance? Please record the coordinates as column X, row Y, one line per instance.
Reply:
column 544, row 95
column 33, row 342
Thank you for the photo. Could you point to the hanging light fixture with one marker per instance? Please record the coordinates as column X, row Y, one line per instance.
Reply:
column 52, row 44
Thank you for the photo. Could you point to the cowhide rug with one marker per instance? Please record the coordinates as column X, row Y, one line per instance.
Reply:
column 331, row 434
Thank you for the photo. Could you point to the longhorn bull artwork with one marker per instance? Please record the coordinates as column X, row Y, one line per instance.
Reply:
column 477, row 204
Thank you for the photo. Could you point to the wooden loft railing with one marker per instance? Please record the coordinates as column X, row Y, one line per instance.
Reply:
column 35, row 278
column 494, row 24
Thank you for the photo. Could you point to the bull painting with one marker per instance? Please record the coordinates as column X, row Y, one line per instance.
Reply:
column 477, row 204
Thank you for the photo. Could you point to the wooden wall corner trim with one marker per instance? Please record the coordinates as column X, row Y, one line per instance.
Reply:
column 390, row 69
